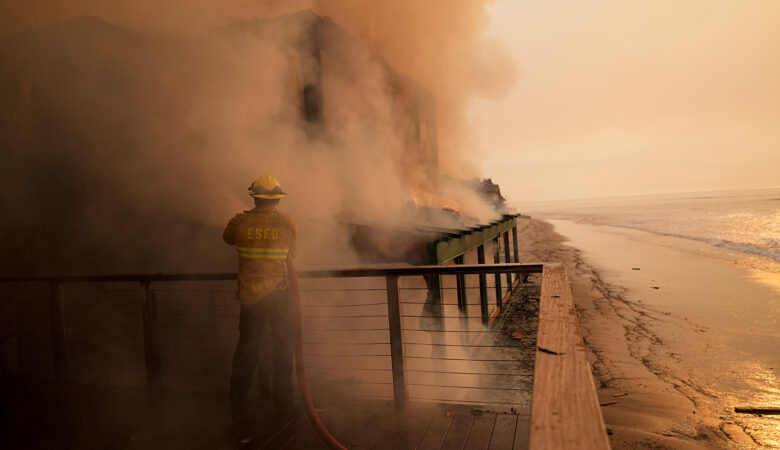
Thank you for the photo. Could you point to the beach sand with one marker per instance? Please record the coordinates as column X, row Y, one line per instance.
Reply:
column 679, row 333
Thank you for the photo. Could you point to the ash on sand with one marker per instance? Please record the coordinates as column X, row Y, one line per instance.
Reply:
column 514, row 340
column 518, row 324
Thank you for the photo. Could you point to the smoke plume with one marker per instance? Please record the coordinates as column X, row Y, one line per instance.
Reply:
column 130, row 132
column 158, row 113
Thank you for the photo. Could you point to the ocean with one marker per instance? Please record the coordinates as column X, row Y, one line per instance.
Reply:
column 747, row 221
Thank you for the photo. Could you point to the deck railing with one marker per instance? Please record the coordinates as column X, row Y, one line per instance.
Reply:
column 151, row 333
column 565, row 411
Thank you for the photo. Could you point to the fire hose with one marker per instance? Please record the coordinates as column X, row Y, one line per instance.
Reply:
column 303, row 385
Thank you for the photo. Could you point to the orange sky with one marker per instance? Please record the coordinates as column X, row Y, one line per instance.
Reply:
column 613, row 98
column 619, row 98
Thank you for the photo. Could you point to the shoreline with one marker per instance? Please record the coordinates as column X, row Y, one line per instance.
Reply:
column 651, row 398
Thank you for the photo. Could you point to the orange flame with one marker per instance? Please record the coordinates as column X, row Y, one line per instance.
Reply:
column 426, row 200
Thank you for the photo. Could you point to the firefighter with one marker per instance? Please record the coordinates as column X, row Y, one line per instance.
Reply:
column 264, row 239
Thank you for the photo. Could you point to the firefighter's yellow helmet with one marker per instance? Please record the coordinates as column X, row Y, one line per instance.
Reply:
column 266, row 187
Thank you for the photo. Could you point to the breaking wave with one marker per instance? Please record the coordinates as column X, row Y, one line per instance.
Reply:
column 772, row 253
column 743, row 221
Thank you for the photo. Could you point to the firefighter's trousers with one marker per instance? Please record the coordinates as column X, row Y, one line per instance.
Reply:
column 274, row 313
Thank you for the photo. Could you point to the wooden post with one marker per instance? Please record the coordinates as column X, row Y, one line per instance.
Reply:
column 517, row 252
column 57, row 323
column 483, row 301
column 437, row 296
column 463, row 301
column 507, row 259
column 497, row 259
column 434, row 303
column 396, row 342
column 152, row 339
column 460, row 279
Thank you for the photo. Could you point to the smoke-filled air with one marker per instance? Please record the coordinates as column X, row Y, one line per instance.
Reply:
column 130, row 132
column 277, row 224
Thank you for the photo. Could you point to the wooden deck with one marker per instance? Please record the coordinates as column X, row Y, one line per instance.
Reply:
column 43, row 415
column 564, row 413
column 417, row 427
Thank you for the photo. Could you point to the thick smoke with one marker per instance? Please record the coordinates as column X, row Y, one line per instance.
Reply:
column 162, row 113
column 442, row 45
column 439, row 43
column 131, row 131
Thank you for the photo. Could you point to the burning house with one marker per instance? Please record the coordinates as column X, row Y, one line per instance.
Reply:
column 127, row 152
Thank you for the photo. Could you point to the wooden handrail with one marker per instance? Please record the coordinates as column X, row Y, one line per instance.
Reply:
column 374, row 271
column 565, row 411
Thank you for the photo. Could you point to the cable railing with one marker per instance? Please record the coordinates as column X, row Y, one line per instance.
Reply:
column 420, row 332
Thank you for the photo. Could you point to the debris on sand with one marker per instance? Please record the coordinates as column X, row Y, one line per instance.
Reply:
column 760, row 410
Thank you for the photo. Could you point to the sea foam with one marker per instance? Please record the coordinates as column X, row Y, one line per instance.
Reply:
column 746, row 221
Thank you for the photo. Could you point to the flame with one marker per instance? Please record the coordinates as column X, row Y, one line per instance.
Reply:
column 424, row 199
column 451, row 205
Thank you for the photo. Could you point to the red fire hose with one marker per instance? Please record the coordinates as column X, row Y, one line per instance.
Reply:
column 314, row 418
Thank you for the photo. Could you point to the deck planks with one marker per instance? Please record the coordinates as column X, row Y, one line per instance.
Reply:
column 479, row 435
column 503, row 435
column 565, row 412
column 344, row 424
column 437, row 430
column 378, row 428
column 366, row 437
column 522, row 431
column 307, row 437
column 459, row 431
column 285, row 433
column 414, row 431
column 389, row 440
column 393, row 428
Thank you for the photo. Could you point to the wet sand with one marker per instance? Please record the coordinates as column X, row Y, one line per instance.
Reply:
column 679, row 333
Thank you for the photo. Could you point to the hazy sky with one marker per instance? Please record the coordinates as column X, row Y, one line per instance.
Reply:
column 618, row 97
